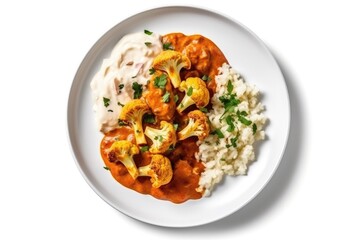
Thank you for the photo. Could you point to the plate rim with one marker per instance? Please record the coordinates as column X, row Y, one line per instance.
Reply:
column 91, row 51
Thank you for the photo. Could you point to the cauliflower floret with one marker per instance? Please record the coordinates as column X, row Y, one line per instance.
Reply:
column 172, row 62
column 161, row 138
column 159, row 170
column 198, row 126
column 123, row 151
column 195, row 93
column 133, row 112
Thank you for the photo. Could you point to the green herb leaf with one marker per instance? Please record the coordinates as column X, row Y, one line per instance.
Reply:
column 230, row 121
column 120, row 104
column 189, row 91
column 167, row 46
column 144, row 148
column 219, row 133
column 176, row 98
column 244, row 121
column 254, row 128
column 121, row 86
column 206, row 78
column 106, row 168
column 151, row 71
column 106, row 101
column 148, row 44
column 148, row 32
column 121, row 123
column 230, row 87
column 137, row 90
column 230, row 102
column 149, row 118
column 176, row 126
column 204, row 109
column 159, row 137
column 233, row 141
column 110, row 110
column 242, row 113
column 166, row 97
column 160, row 81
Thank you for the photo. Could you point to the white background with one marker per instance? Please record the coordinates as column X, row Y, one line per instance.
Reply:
column 314, row 193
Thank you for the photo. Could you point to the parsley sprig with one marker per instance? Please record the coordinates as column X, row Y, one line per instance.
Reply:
column 137, row 90
column 160, row 81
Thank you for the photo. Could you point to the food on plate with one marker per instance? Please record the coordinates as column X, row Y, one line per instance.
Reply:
column 195, row 93
column 175, row 116
column 123, row 76
column 132, row 113
column 159, row 170
column 197, row 126
column 237, row 122
column 123, row 151
column 160, row 87
column 162, row 139
column 172, row 62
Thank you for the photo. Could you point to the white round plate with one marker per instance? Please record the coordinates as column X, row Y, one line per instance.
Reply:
column 247, row 54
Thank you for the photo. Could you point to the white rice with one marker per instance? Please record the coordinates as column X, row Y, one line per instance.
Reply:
column 219, row 158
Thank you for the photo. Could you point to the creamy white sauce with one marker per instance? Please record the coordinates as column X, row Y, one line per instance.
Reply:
column 129, row 62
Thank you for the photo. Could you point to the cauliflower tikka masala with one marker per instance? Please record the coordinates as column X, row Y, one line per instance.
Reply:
column 152, row 150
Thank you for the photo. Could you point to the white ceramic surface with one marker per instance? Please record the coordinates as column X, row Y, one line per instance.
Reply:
column 247, row 54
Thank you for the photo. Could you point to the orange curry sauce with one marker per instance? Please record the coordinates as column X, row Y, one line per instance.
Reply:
column 205, row 59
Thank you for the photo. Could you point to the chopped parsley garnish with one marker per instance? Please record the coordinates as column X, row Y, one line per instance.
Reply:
column 148, row 32
column 176, row 126
column 151, row 71
column 242, row 113
column 244, row 121
column 229, row 102
column 144, row 148
column 160, row 81
column 254, row 128
column 166, row 97
column 189, row 91
column 121, row 123
column 110, row 110
column 159, row 137
column 149, row 118
column 148, row 44
column 230, row 121
column 219, row 133
column 106, row 101
column 206, row 78
column 120, row 104
column 167, row 46
column 176, row 98
column 121, row 86
column 204, row 109
column 106, row 168
column 230, row 87
column 233, row 142
column 137, row 90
